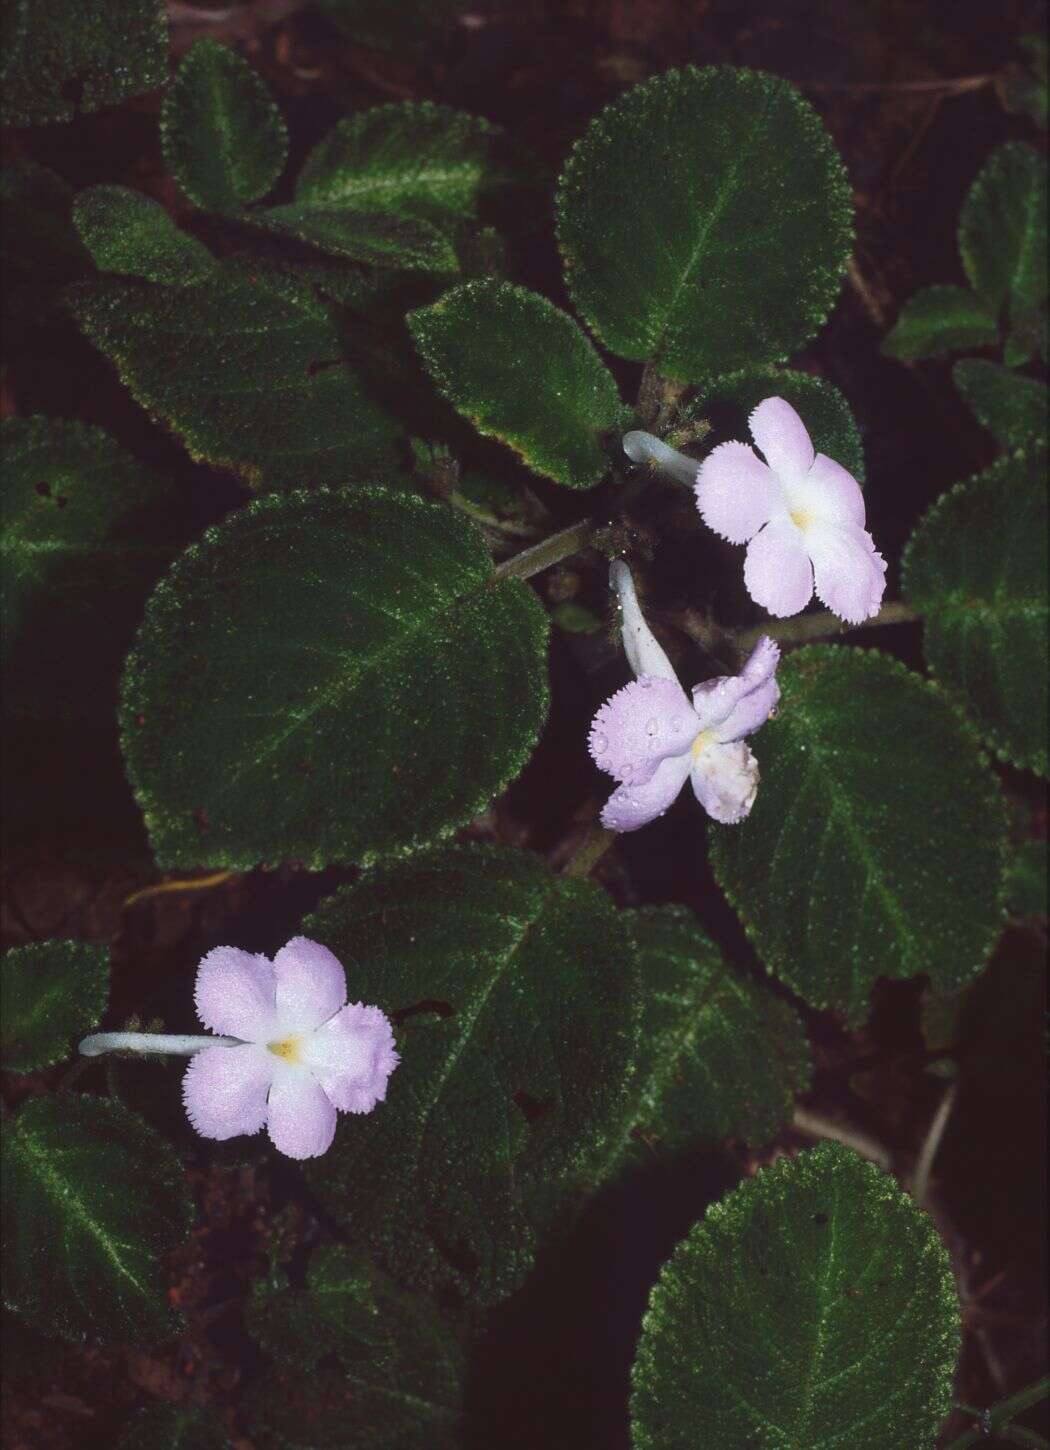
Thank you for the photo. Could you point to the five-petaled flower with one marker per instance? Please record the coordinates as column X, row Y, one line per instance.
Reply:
column 301, row 1053
column 650, row 736
column 801, row 515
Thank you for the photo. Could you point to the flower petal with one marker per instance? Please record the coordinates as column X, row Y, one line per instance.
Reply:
column 311, row 985
column 642, row 724
column 850, row 574
column 636, row 805
column 725, row 781
column 718, row 703
column 352, row 1057
column 735, row 492
column 236, row 993
column 829, row 493
column 224, row 1090
column 300, row 1116
column 751, row 713
column 781, row 434
column 644, row 655
column 777, row 571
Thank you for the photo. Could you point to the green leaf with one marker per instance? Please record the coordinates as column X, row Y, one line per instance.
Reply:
column 50, row 993
column 516, row 994
column 174, row 1427
column 92, row 1197
column 705, row 221
column 248, row 371
column 40, row 251
column 1010, row 406
column 938, row 320
column 1002, row 230
column 225, row 141
column 828, row 417
column 875, row 845
column 314, row 680
column 374, row 238
column 63, row 58
column 400, row 1367
column 814, row 1306
column 127, row 232
column 1026, row 880
column 410, row 159
column 976, row 566
column 522, row 371
column 417, row 27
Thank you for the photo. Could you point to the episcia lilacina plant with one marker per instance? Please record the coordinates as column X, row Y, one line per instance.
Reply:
column 462, row 1044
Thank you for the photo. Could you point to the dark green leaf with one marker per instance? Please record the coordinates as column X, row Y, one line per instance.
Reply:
column 939, row 320
column 1026, row 880
column 516, row 995
column 315, row 680
column 225, row 141
column 412, row 26
column 522, row 371
column 875, row 845
column 127, row 232
column 91, row 1198
column 976, row 566
column 1010, row 406
column 1002, row 230
column 815, row 1307
column 40, row 251
column 174, row 1427
column 374, row 238
column 705, row 222
column 249, row 373
column 50, row 993
column 63, row 58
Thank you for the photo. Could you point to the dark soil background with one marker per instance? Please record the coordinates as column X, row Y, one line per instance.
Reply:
column 553, row 1369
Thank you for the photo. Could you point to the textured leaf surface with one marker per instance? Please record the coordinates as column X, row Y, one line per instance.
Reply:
column 326, row 677
column 1002, row 230
column 40, row 251
column 91, row 1198
column 522, row 371
column 1009, row 405
column 173, row 1427
column 50, row 993
column 225, row 142
column 705, row 222
column 875, row 845
column 976, row 566
column 63, row 58
column 1026, row 880
column 127, row 232
column 374, row 238
column 249, row 374
column 813, row 1308
column 938, row 320
column 516, row 998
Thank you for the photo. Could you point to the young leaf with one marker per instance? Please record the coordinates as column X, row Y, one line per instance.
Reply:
column 373, row 238
column 92, row 1197
column 225, row 141
column 247, row 370
column 62, row 58
column 328, row 676
column 1002, row 230
column 976, row 566
column 174, row 1427
column 516, row 995
column 127, row 232
column 705, row 222
column 938, row 320
column 50, row 993
column 1009, row 405
column 522, row 371
column 875, row 845
column 813, row 1306
column 40, row 251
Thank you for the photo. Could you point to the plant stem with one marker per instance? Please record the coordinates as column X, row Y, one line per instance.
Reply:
column 589, row 852
column 179, row 1045
column 1000, row 1415
column 921, row 1177
column 1018, row 1435
column 192, row 883
column 815, row 1126
column 823, row 626
column 549, row 551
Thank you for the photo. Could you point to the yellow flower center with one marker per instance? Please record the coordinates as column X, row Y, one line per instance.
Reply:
column 702, row 741
column 287, row 1048
column 801, row 518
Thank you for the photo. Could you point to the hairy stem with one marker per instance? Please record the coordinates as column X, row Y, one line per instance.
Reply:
column 825, row 625
column 178, row 1045
column 815, row 1126
column 1000, row 1415
column 549, row 551
column 921, row 1178
column 589, row 852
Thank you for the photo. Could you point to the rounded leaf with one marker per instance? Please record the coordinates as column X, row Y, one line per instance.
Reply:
column 127, row 232
column 938, row 320
column 1009, row 405
column 1002, row 230
column 813, row 1306
column 705, row 222
column 50, row 993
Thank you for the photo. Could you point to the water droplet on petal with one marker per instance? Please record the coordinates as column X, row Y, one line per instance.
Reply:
column 601, row 744
column 774, row 712
column 651, row 726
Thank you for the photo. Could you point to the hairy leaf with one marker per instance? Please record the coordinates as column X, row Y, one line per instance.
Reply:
column 875, row 845
column 127, row 232
column 328, row 676
column 976, row 566
column 174, row 1427
column 225, row 141
column 705, row 222
column 92, row 1197
column 62, row 58
column 1009, row 405
column 1026, row 880
column 40, row 251
column 515, row 994
column 813, row 1306
column 50, row 993
column 522, row 371
column 248, row 370
column 371, row 237
column 1002, row 230
column 938, row 320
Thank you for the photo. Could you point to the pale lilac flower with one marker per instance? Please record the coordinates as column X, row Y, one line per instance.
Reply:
column 801, row 515
column 651, row 737
column 295, row 1053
